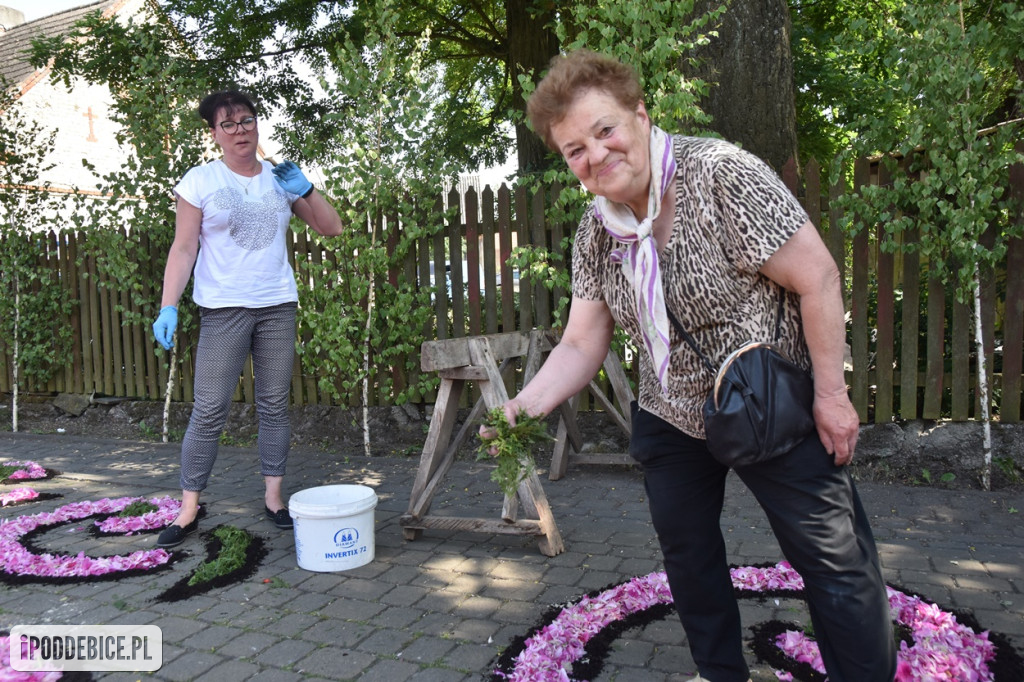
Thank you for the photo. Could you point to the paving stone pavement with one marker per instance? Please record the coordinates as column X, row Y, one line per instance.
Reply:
column 442, row 608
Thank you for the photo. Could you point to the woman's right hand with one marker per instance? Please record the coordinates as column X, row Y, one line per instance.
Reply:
column 570, row 365
column 166, row 323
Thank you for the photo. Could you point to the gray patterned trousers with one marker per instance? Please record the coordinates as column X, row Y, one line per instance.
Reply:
column 226, row 338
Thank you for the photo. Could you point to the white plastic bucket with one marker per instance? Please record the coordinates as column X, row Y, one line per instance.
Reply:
column 333, row 526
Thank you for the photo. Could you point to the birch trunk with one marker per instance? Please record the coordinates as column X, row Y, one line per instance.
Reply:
column 983, row 387
column 14, row 368
column 370, row 298
column 366, row 376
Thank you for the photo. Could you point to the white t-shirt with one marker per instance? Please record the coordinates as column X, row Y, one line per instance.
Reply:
column 243, row 255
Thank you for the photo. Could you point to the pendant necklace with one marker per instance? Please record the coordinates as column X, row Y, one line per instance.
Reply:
column 244, row 187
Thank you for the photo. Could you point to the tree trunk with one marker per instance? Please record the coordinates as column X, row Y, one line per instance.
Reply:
column 749, row 67
column 15, row 359
column 531, row 45
column 983, row 386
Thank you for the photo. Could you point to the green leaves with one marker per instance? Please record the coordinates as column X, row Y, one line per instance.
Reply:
column 31, row 298
column 138, row 508
column 385, row 173
column 653, row 36
column 155, row 87
column 511, row 446
column 935, row 101
column 234, row 542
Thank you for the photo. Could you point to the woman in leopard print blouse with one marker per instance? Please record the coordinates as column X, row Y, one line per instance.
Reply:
column 707, row 230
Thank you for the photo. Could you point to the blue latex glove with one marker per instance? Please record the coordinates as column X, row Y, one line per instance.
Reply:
column 291, row 179
column 163, row 328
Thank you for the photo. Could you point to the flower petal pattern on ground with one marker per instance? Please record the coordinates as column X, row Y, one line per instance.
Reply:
column 19, row 562
column 25, row 471
column 167, row 509
column 940, row 647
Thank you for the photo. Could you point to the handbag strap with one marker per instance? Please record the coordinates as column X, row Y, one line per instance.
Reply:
column 689, row 340
column 693, row 344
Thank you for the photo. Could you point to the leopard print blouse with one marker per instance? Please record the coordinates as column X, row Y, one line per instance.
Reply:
column 732, row 212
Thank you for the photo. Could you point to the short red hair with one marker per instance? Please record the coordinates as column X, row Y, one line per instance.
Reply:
column 568, row 77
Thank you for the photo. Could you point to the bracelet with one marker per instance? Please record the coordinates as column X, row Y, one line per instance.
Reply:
column 305, row 195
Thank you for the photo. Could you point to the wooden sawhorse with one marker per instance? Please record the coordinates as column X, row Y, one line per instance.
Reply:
column 569, row 440
column 476, row 359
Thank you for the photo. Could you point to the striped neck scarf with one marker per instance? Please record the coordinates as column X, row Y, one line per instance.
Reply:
column 639, row 252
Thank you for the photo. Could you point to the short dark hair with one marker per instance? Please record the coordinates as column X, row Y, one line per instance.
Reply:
column 572, row 75
column 226, row 99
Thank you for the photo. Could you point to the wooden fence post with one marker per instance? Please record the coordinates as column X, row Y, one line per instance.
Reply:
column 859, row 306
column 113, row 358
column 1013, row 319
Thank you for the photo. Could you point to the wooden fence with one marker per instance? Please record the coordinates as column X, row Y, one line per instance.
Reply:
column 911, row 344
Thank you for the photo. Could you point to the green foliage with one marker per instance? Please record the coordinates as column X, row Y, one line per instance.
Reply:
column 155, row 88
column 847, row 58
column 138, row 508
column 32, row 299
column 1009, row 469
column 356, row 322
column 837, row 69
column 946, row 478
column 536, row 262
column 654, row 37
column 272, row 44
column 478, row 49
column 539, row 264
column 948, row 174
column 228, row 440
column 148, row 432
column 511, row 447
column 234, row 542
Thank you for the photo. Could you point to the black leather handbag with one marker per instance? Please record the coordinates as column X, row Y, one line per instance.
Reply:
column 760, row 405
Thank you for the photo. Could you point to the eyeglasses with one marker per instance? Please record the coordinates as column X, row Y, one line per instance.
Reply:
column 246, row 124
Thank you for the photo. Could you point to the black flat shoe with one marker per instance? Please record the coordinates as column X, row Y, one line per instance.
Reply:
column 172, row 535
column 280, row 518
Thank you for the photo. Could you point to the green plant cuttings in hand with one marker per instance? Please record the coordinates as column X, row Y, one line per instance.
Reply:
column 510, row 447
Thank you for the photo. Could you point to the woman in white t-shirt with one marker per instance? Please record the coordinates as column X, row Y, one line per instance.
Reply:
column 231, row 225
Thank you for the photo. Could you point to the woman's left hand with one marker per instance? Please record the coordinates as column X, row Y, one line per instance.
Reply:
column 838, row 425
column 291, row 179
